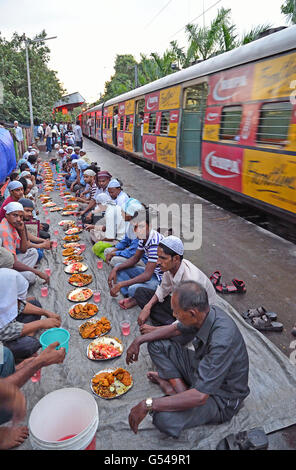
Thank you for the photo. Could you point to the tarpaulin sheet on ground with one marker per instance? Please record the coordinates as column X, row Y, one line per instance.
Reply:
column 272, row 379
column 7, row 154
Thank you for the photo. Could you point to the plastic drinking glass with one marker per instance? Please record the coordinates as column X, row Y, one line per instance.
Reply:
column 37, row 376
column 125, row 327
column 82, row 246
column 97, row 296
column 48, row 271
column 46, row 212
column 56, row 232
column 44, row 291
column 100, row 264
column 54, row 243
column 48, row 221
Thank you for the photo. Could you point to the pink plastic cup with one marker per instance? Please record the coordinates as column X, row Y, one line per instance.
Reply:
column 97, row 296
column 56, row 232
column 48, row 271
column 54, row 243
column 100, row 264
column 37, row 376
column 46, row 212
column 82, row 246
column 44, row 291
column 125, row 327
column 48, row 221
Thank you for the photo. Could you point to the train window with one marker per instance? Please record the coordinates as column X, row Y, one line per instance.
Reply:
column 230, row 122
column 274, row 123
column 152, row 123
column 121, row 122
column 195, row 97
column 127, row 121
column 165, row 122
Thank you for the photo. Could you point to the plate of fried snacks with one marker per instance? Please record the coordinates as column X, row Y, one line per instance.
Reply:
column 68, row 212
column 72, row 250
column 73, row 231
column 80, row 280
column 71, row 245
column 49, row 204
column 75, row 268
column 81, row 294
column 111, row 383
column 94, row 328
column 104, row 348
column 66, row 222
column 73, row 259
column 71, row 207
column 55, row 209
column 83, row 311
column 71, row 238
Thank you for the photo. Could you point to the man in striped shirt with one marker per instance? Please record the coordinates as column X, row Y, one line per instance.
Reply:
column 127, row 277
column 88, row 194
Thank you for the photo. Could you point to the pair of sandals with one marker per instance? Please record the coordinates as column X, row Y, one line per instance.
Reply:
column 237, row 286
column 262, row 320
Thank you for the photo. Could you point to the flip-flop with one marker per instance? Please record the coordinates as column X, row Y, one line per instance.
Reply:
column 258, row 312
column 263, row 323
column 215, row 278
column 240, row 285
column 254, row 439
column 225, row 289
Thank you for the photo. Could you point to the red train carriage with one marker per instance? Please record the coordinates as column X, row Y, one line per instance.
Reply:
column 228, row 122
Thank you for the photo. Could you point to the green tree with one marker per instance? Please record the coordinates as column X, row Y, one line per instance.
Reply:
column 45, row 86
column 123, row 79
column 288, row 8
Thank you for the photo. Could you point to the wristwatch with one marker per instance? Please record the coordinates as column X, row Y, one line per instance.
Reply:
column 149, row 404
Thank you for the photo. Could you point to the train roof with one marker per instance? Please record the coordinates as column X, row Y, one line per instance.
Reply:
column 281, row 41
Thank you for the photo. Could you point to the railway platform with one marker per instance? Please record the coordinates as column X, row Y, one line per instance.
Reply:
column 235, row 247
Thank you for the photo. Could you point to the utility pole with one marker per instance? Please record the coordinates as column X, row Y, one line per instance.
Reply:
column 29, row 79
column 136, row 75
column 29, row 91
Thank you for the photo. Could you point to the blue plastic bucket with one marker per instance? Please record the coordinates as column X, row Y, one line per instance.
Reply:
column 55, row 334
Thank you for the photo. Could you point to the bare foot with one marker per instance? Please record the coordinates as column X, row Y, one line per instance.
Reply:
column 144, row 329
column 164, row 384
column 127, row 303
column 12, row 436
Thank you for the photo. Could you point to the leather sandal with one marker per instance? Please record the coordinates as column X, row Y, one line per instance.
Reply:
column 254, row 439
column 258, row 312
column 264, row 323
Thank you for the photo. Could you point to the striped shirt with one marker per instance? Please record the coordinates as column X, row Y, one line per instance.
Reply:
column 150, row 250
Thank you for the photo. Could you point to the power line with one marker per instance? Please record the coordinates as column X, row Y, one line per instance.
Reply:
column 160, row 11
column 194, row 19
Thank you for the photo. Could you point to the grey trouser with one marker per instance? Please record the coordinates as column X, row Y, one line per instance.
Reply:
column 29, row 258
column 119, row 259
column 174, row 361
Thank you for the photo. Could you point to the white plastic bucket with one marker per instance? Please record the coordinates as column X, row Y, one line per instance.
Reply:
column 62, row 413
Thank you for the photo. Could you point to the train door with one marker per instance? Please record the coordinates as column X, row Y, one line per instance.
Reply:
column 194, row 104
column 139, row 122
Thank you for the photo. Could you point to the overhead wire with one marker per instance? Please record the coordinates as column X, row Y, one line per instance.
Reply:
column 160, row 11
column 194, row 19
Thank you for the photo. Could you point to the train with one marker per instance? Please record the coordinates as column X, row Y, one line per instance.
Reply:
column 228, row 123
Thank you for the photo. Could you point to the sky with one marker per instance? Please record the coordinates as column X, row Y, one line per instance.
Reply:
column 91, row 32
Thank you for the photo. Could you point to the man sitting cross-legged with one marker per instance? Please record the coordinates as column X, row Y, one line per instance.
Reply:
column 203, row 385
column 157, row 305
